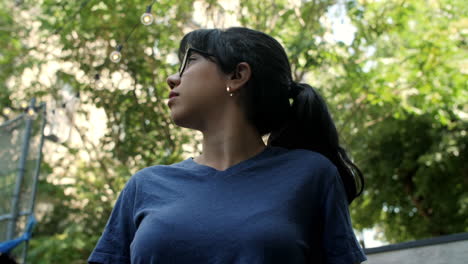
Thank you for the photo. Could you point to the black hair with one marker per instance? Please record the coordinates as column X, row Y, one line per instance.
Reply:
column 306, row 124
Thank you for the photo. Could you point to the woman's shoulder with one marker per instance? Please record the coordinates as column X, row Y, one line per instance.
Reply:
column 307, row 157
column 159, row 170
column 312, row 165
column 310, row 154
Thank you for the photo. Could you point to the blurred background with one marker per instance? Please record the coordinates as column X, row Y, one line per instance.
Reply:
column 393, row 72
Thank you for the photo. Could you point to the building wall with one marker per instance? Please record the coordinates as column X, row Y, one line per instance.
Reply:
column 447, row 253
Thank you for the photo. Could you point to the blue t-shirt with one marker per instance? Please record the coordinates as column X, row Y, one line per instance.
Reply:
column 280, row 206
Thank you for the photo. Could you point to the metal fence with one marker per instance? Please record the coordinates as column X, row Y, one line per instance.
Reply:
column 21, row 141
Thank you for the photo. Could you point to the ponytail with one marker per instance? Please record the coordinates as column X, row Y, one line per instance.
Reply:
column 311, row 127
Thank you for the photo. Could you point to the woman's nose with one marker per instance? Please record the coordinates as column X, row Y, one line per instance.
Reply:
column 173, row 80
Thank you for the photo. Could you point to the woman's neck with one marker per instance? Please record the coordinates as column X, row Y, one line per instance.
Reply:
column 234, row 142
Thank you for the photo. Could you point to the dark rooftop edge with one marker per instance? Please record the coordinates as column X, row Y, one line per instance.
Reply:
column 418, row 243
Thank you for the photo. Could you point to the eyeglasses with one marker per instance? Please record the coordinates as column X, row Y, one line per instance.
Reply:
column 187, row 55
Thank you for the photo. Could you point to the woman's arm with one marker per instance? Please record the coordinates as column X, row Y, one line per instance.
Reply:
column 339, row 241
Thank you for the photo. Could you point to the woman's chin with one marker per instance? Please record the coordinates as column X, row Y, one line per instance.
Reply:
column 179, row 119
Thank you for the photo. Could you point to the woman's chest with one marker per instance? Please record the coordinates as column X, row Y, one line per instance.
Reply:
column 268, row 218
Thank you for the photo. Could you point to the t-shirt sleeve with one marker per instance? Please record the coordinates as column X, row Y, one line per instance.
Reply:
column 341, row 245
column 114, row 244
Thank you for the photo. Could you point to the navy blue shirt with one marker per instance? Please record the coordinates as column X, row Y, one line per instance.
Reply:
column 280, row 206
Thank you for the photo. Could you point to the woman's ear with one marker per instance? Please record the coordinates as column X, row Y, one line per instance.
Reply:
column 240, row 76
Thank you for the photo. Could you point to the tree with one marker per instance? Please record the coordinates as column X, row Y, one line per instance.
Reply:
column 11, row 34
column 408, row 126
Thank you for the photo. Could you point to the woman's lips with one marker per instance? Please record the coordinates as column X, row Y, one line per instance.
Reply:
column 171, row 99
column 173, row 94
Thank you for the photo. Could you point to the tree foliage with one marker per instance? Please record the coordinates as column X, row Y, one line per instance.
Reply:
column 397, row 93
column 409, row 130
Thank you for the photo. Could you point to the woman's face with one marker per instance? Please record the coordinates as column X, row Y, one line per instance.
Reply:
column 201, row 91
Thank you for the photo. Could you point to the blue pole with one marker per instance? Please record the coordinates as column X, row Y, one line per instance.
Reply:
column 42, row 108
column 19, row 179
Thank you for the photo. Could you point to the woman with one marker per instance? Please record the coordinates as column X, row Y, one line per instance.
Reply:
column 240, row 201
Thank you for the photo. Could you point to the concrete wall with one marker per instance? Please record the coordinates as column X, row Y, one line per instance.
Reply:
column 445, row 252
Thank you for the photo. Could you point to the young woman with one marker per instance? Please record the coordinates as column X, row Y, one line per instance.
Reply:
column 240, row 201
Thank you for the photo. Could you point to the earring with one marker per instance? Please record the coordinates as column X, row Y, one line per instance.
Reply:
column 228, row 89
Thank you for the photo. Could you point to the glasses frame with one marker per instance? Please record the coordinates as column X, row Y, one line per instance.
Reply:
column 187, row 56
